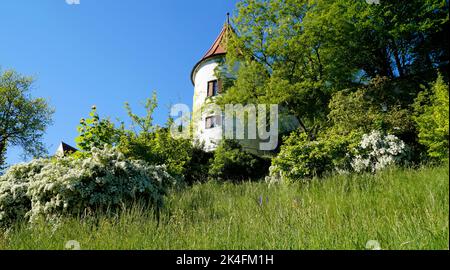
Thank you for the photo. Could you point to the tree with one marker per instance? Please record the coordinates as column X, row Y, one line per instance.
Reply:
column 2, row 161
column 23, row 119
column 297, row 53
column 403, row 38
column 97, row 132
column 432, row 114
column 368, row 108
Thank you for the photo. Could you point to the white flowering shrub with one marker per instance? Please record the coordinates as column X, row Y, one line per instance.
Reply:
column 14, row 201
column 377, row 151
column 53, row 188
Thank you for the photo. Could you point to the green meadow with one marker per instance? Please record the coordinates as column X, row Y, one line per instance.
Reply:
column 401, row 209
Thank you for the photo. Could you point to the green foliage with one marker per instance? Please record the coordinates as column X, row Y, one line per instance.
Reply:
column 159, row 148
column 197, row 169
column 232, row 162
column 432, row 118
column 297, row 53
column 96, row 133
column 372, row 107
column 402, row 38
column 23, row 119
column 403, row 209
column 352, row 113
column 155, row 144
column 301, row 158
column 145, row 123
column 145, row 141
column 51, row 189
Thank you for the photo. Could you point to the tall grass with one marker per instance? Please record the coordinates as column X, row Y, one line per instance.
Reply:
column 401, row 209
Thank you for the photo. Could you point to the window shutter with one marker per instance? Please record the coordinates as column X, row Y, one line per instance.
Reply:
column 210, row 89
column 219, row 86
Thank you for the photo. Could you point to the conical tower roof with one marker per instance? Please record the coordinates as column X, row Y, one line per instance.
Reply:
column 219, row 47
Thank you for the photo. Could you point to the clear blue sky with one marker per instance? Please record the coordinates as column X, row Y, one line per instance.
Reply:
column 106, row 52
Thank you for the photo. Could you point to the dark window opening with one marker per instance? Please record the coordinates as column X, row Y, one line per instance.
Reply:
column 214, row 88
column 213, row 122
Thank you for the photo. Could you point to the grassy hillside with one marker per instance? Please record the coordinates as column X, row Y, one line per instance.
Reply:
column 401, row 209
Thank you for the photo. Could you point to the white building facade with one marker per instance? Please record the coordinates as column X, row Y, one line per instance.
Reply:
column 208, row 121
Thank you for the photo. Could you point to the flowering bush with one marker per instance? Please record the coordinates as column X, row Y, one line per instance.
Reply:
column 14, row 201
column 302, row 158
column 70, row 186
column 377, row 151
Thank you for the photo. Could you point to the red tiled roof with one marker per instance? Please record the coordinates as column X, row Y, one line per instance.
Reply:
column 218, row 48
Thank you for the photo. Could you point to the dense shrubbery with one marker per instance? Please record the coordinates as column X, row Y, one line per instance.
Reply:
column 158, row 148
column 432, row 118
column 378, row 110
column 302, row 158
column 197, row 169
column 373, row 107
column 145, row 141
column 15, row 203
column 232, row 162
column 338, row 146
column 53, row 188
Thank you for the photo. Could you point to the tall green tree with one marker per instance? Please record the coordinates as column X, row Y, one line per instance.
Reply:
column 432, row 118
column 23, row 119
column 297, row 53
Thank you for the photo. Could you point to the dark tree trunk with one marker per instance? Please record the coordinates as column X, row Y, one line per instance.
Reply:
column 2, row 154
column 398, row 63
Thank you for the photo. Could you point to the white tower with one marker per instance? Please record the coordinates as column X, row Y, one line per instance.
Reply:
column 207, row 122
